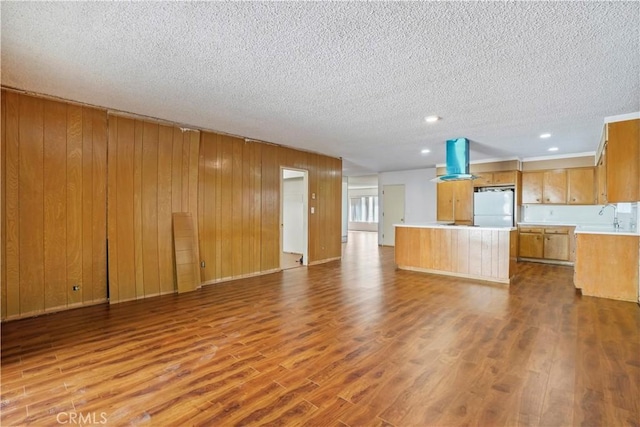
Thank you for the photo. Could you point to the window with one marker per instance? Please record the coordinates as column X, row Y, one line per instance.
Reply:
column 363, row 209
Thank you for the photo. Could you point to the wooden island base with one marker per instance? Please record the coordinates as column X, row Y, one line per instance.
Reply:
column 470, row 252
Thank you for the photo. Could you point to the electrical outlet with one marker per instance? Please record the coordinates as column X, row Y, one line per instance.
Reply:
column 201, row 264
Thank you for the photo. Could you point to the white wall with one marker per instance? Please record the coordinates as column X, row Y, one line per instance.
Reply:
column 293, row 215
column 420, row 194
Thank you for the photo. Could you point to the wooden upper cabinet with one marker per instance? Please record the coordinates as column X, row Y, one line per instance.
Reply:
column 504, row 178
column 455, row 201
column 554, row 187
column 532, row 187
column 601, row 170
column 548, row 187
column 623, row 161
column 582, row 186
column 483, row 179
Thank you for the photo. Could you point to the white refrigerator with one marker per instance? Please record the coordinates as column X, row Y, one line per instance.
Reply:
column 493, row 208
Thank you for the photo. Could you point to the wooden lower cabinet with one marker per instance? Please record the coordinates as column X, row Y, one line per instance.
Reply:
column 607, row 266
column 556, row 246
column 545, row 243
column 531, row 245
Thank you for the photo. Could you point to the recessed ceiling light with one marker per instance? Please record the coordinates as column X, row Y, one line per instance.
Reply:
column 545, row 135
column 426, row 151
column 432, row 119
column 553, row 149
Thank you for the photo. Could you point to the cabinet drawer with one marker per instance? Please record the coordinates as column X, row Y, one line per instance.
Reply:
column 557, row 230
column 531, row 230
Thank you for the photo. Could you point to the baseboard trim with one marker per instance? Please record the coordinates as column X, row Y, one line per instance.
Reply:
column 324, row 261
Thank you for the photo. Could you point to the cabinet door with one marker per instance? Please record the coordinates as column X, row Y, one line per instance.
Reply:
column 532, row 187
column 463, row 201
column 483, row 179
column 503, row 178
column 554, row 186
column 623, row 158
column 602, row 178
column 530, row 245
column 556, row 246
column 582, row 183
column 445, row 201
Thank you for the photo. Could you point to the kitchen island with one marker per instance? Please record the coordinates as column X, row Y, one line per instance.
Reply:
column 483, row 253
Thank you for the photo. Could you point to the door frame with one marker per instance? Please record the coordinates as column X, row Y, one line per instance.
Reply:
column 305, row 215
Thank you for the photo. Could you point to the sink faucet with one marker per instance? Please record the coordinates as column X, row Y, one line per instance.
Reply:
column 616, row 224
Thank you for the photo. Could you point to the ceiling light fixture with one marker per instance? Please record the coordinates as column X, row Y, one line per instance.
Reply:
column 553, row 149
column 545, row 135
column 432, row 119
column 425, row 151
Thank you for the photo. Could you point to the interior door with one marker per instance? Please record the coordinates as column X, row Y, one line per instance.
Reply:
column 392, row 212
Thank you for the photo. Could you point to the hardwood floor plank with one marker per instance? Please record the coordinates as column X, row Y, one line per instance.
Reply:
column 351, row 343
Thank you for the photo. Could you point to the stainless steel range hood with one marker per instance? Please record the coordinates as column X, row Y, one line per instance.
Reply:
column 457, row 161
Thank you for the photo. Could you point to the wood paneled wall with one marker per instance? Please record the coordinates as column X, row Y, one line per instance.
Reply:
column 239, row 209
column 153, row 172
column 60, row 160
column 54, row 172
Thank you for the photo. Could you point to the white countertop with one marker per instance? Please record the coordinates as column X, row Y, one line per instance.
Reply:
column 549, row 223
column 604, row 229
column 452, row 226
column 585, row 228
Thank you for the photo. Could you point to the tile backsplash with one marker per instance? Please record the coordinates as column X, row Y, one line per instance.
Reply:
column 587, row 214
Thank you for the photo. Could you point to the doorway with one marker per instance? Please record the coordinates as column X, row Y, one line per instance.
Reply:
column 294, row 219
column 392, row 212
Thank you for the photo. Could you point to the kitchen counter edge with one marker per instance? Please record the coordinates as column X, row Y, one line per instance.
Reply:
column 455, row 227
column 584, row 228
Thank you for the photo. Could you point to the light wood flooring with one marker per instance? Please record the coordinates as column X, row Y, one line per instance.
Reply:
column 353, row 342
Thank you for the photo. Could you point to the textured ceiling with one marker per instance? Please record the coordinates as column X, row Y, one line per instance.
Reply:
column 349, row 79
